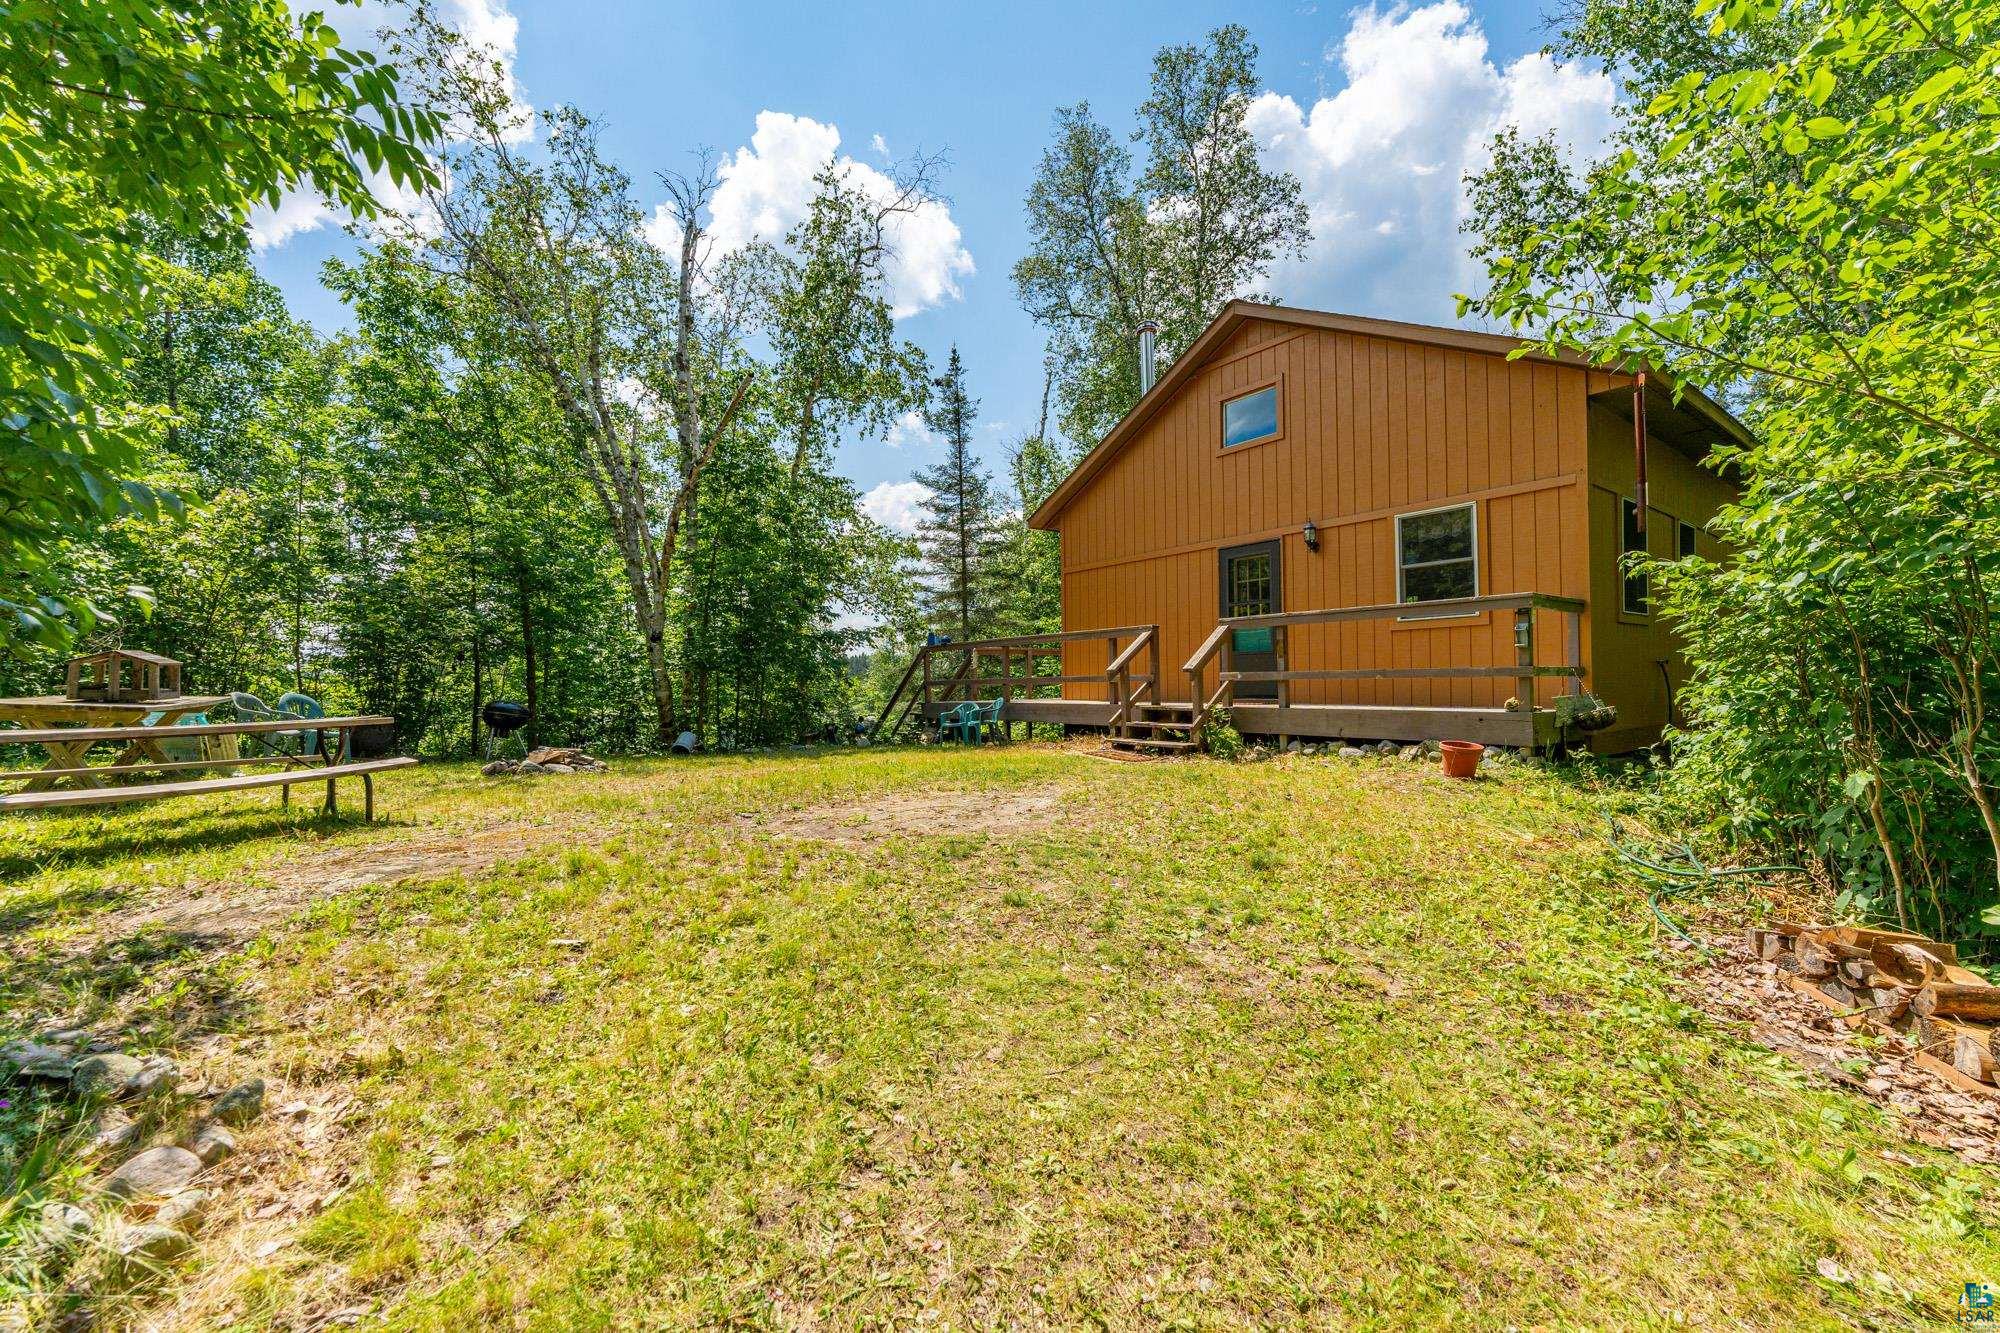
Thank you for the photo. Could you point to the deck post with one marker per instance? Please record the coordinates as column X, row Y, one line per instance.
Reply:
column 1280, row 647
column 1228, row 664
column 1524, row 658
column 1153, row 666
column 1573, row 646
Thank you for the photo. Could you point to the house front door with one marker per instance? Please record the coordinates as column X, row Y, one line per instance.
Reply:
column 1252, row 585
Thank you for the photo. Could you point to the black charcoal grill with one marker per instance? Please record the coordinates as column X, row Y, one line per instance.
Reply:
column 504, row 717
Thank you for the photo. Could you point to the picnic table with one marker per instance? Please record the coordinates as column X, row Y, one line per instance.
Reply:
column 59, row 711
column 68, row 748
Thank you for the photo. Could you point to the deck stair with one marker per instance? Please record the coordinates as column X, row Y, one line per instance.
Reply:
column 1157, row 727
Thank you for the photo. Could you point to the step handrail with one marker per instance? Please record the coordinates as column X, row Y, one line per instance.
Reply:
column 913, row 691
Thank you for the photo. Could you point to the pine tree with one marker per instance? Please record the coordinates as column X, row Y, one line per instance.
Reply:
column 959, row 536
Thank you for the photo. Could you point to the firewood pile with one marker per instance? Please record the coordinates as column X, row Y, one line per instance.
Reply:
column 1888, row 979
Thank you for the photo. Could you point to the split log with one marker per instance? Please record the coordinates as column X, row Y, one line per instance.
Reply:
column 1866, row 938
column 1908, row 964
column 1947, row 1000
column 1856, row 971
column 1890, row 1002
column 1815, row 960
column 1972, row 1053
column 1839, row 992
column 1765, row 944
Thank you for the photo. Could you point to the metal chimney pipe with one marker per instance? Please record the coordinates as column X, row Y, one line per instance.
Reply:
column 1148, row 367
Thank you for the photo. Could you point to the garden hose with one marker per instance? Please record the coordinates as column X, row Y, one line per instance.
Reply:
column 1680, row 873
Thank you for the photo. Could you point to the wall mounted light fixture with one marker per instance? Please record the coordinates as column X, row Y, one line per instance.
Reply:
column 1312, row 536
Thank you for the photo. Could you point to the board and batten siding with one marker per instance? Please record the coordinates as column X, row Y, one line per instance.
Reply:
column 1637, row 659
column 1369, row 427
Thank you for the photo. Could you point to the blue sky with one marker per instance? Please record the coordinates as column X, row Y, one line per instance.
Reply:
column 1379, row 110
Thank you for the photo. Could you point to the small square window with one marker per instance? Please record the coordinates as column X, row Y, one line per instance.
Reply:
column 1638, row 585
column 1254, row 416
column 1687, row 540
column 1437, row 555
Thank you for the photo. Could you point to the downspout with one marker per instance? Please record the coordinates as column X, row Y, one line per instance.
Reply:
column 1639, row 449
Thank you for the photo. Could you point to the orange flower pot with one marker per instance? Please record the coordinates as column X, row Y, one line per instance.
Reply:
column 1461, row 758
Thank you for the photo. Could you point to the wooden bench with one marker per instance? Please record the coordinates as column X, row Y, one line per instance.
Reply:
column 154, row 791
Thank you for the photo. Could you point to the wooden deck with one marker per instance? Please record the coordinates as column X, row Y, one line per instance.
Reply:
column 1345, row 722
column 1026, row 675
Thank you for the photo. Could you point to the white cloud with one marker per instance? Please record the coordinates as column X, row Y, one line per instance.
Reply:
column 767, row 185
column 485, row 24
column 1382, row 161
column 910, row 428
column 896, row 504
column 881, row 147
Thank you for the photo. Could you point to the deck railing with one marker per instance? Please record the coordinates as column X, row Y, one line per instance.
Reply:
column 958, row 672
column 1219, row 647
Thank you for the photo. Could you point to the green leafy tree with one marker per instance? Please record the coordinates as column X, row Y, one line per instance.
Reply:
column 1030, row 562
column 839, row 364
column 117, row 113
column 1114, row 243
column 1799, row 207
column 959, row 534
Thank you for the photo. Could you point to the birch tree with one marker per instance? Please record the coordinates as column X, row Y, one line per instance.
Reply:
column 553, row 247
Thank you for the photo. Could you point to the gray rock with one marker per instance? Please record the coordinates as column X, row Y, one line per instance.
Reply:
column 109, row 1074
column 530, row 766
column 212, row 1143
column 1292, row 747
column 113, row 1131
column 183, row 1209
column 241, row 1104
column 34, row 1060
column 153, row 1173
column 157, row 1074
column 69, row 1037
column 1351, row 752
column 558, row 768
column 497, row 768
column 64, row 1225
column 153, row 1243
column 1386, row 747
column 1413, row 753
column 1313, row 749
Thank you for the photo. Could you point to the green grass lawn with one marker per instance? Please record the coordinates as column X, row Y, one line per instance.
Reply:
column 1005, row 1037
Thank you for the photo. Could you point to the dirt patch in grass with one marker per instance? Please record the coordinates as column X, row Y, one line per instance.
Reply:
column 231, row 911
column 1009, row 813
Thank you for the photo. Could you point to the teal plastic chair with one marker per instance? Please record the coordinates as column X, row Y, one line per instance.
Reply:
column 295, row 704
column 249, row 708
column 954, row 722
column 180, row 749
column 968, row 722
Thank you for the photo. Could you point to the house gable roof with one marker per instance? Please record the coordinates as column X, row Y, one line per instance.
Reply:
column 1238, row 313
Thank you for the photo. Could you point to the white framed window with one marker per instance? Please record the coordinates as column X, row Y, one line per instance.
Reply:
column 1437, row 555
column 1637, row 596
column 1250, row 417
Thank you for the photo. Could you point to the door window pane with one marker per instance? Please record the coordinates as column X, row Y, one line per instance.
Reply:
column 1249, row 585
column 1437, row 555
column 1251, row 417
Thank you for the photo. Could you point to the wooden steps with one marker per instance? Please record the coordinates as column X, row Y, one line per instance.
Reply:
column 1156, row 729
